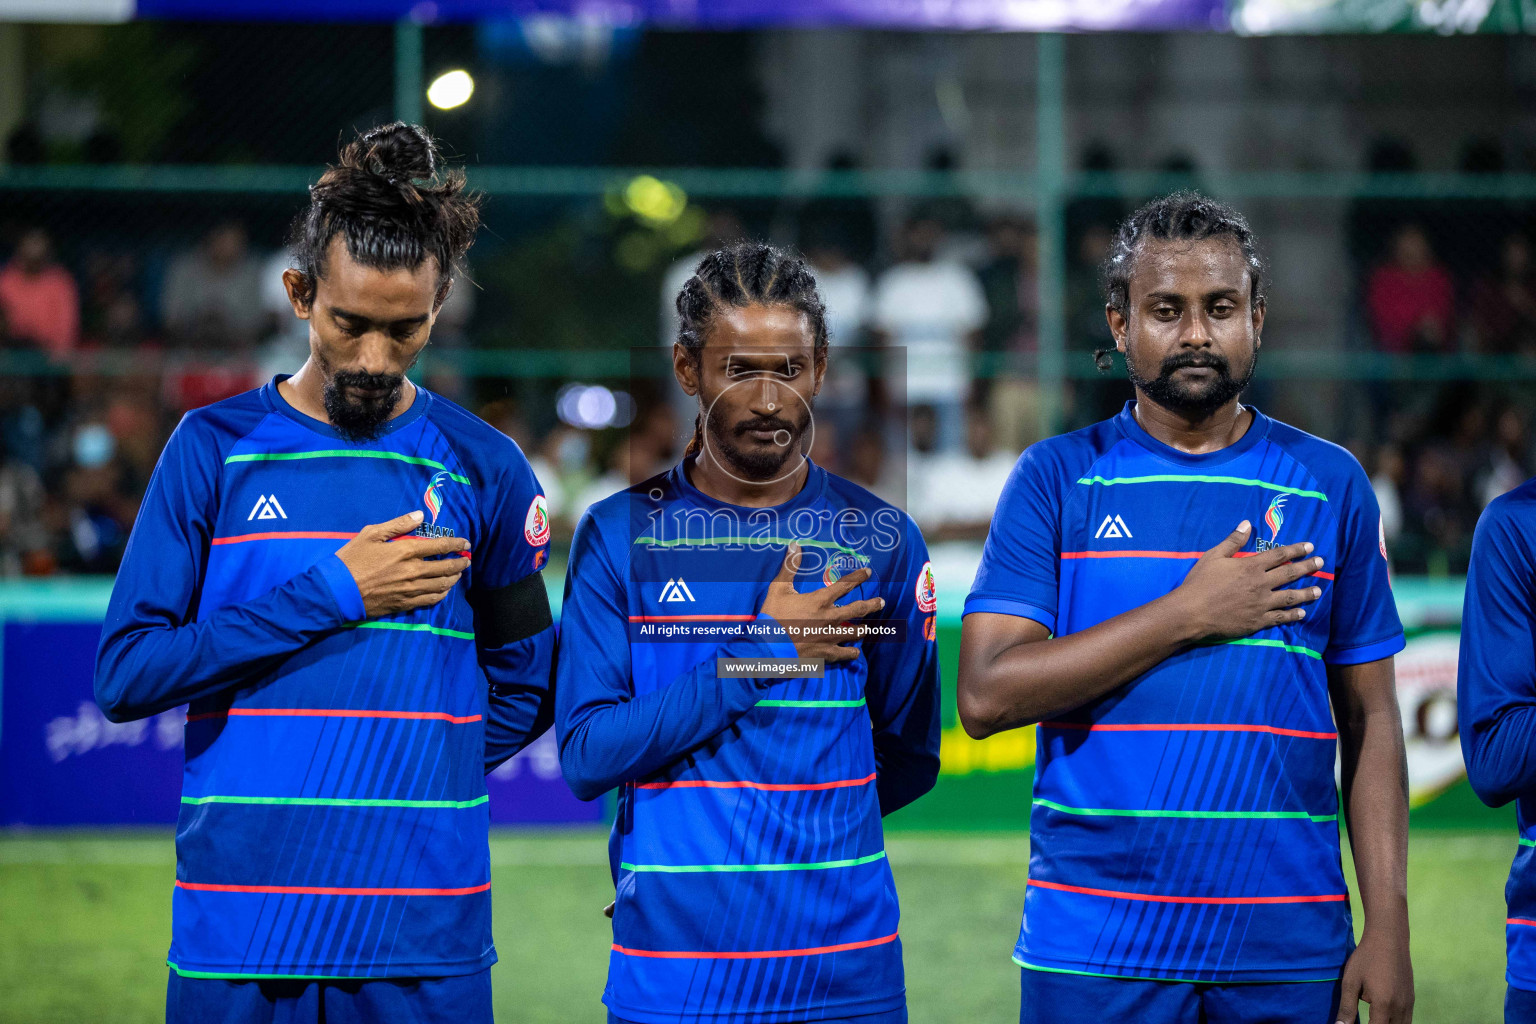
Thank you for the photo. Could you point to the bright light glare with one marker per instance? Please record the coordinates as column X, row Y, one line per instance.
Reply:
column 654, row 200
column 451, row 89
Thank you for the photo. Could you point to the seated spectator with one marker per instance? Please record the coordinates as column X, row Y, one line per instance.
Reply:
column 1504, row 302
column 1506, row 468
column 94, row 509
column 955, row 494
column 933, row 310
column 213, row 294
column 38, row 297
column 23, row 540
column 1410, row 298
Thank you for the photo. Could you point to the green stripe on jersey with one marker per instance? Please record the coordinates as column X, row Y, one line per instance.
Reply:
column 321, row 801
column 1187, row 981
column 261, row 977
column 690, row 868
column 1527, row 842
column 1277, row 644
column 415, row 627
column 1115, row 812
column 344, row 453
column 1197, row 478
column 811, row 703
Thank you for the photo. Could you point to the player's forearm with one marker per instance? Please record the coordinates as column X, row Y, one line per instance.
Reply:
column 520, row 706
column 1375, row 775
column 145, row 667
column 1501, row 757
column 1032, row 682
column 613, row 743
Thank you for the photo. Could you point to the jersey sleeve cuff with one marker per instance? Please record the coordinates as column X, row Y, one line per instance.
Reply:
column 1003, row 606
column 343, row 588
column 1365, row 652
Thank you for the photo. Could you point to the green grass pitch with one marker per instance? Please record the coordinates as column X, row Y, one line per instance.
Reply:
column 85, row 921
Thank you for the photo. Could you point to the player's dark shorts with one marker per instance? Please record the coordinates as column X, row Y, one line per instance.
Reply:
column 464, row 999
column 1050, row 998
column 1519, row 1006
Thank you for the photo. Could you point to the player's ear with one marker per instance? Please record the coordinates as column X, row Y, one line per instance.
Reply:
column 301, row 292
column 443, row 291
column 1118, row 325
column 1259, row 309
column 685, row 367
column 819, row 368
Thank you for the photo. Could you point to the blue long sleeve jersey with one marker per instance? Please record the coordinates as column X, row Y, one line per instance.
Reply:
column 1496, row 699
column 1185, row 825
column 333, row 813
column 748, row 853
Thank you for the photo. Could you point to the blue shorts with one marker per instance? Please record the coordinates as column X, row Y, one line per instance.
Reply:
column 462, row 999
column 1051, row 998
column 1519, row 1006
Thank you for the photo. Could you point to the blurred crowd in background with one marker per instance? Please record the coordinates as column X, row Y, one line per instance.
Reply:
column 150, row 170
column 117, row 342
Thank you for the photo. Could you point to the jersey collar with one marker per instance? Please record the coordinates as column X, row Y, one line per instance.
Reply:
column 278, row 404
column 1256, row 432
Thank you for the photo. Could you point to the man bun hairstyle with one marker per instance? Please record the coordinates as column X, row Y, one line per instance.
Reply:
column 389, row 198
column 740, row 275
column 1181, row 216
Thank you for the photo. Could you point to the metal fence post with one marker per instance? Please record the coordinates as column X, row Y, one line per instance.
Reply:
column 1050, row 218
column 408, row 71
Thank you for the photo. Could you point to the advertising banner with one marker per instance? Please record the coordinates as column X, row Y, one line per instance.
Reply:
column 63, row 763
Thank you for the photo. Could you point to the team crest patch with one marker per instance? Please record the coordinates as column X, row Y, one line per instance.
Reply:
column 536, row 523
column 926, row 589
column 841, row 565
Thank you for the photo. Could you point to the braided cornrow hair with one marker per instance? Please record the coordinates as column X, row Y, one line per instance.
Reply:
column 388, row 198
column 741, row 275
column 1175, row 217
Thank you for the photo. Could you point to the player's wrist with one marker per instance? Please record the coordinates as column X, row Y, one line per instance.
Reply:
column 1185, row 620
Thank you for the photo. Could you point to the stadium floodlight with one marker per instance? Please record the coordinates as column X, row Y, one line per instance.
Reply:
column 451, row 89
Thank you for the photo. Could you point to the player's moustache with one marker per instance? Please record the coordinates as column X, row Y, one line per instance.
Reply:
column 1185, row 360
column 764, row 423
column 367, row 381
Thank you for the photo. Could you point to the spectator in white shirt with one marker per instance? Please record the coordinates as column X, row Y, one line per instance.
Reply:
column 954, row 494
column 932, row 310
column 844, row 287
column 213, row 293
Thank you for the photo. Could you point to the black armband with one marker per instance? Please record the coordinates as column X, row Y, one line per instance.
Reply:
column 514, row 612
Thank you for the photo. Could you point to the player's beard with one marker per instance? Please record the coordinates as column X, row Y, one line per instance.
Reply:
column 1194, row 401
column 760, row 464
column 360, row 419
